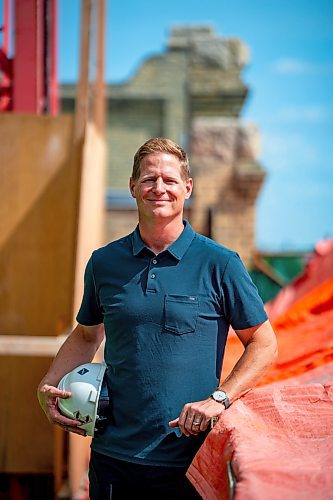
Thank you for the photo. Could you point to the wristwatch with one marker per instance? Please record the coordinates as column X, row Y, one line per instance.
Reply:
column 221, row 397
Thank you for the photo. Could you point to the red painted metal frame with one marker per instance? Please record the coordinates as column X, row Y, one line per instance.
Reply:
column 27, row 64
column 5, row 61
column 29, row 84
column 53, row 80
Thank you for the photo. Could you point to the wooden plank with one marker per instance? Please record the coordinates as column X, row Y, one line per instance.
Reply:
column 22, row 345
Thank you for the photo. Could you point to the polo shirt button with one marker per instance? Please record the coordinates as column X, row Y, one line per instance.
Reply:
column 153, row 275
column 154, row 261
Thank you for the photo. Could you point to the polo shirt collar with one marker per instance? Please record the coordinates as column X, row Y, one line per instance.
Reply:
column 177, row 248
column 138, row 244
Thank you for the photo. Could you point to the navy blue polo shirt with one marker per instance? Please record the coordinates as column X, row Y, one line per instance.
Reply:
column 166, row 320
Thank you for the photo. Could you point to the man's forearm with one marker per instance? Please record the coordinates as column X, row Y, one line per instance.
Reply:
column 259, row 355
column 80, row 347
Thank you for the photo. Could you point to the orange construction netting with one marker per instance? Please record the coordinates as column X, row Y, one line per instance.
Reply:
column 304, row 333
column 278, row 439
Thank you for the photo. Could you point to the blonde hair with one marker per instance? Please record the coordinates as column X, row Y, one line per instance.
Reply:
column 160, row 145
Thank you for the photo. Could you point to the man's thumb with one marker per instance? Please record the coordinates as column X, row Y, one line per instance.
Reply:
column 174, row 423
column 64, row 394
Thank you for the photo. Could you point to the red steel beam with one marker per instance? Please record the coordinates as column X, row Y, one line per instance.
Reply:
column 6, row 26
column 52, row 77
column 34, row 63
column 5, row 61
column 28, row 77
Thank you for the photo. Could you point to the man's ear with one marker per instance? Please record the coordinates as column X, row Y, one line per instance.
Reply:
column 189, row 187
column 131, row 186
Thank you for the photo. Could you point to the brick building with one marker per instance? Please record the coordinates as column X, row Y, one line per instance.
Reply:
column 192, row 93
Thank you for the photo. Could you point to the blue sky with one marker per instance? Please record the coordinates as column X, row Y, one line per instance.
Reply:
column 290, row 76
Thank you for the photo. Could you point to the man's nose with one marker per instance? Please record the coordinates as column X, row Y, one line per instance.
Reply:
column 159, row 186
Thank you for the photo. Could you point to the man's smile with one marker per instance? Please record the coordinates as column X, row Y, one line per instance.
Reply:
column 159, row 201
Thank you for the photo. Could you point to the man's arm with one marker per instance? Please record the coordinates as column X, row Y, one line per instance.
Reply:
column 259, row 354
column 80, row 347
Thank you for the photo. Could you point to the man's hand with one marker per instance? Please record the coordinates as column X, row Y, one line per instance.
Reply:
column 48, row 399
column 80, row 347
column 196, row 417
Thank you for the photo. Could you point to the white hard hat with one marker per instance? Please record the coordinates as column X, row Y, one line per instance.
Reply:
column 90, row 401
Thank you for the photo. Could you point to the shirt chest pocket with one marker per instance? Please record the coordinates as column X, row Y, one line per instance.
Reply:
column 181, row 313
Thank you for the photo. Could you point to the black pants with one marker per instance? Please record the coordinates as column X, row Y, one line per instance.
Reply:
column 116, row 479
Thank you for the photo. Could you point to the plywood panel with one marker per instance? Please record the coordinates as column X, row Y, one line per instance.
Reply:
column 51, row 213
column 26, row 436
column 39, row 193
column 38, row 213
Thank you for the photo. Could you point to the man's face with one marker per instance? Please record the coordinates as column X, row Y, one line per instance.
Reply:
column 160, row 189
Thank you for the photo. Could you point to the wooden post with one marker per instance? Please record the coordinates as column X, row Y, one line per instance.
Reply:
column 82, row 94
column 99, row 108
column 89, row 120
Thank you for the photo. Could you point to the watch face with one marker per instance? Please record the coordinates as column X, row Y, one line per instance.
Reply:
column 219, row 396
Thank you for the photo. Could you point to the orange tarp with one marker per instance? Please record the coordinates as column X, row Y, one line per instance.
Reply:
column 279, row 442
column 304, row 330
column 279, row 438
column 318, row 269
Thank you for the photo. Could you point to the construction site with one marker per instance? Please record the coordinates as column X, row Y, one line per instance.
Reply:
column 66, row 152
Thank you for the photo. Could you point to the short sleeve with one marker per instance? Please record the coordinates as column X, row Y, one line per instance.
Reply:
column 241, row 301
column 90, row 312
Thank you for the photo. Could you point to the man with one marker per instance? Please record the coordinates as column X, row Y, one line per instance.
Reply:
column 166, row 296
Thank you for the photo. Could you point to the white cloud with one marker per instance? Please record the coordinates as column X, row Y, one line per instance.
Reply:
column 291, row 66
column 313, row 113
